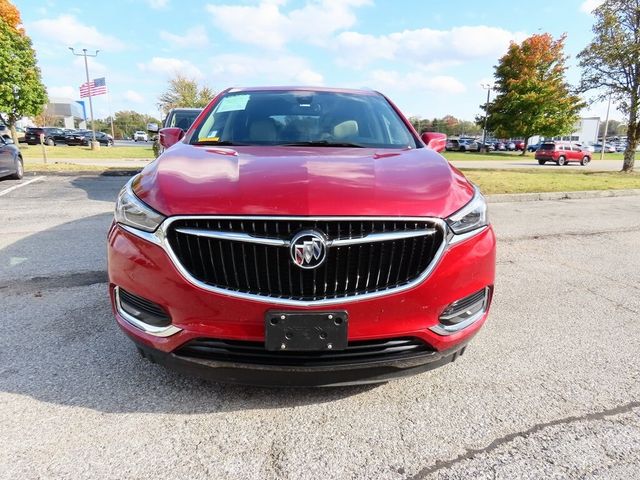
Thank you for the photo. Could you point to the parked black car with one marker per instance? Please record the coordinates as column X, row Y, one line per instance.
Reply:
column 11, row 164
column 84, row 137
column 52, row 135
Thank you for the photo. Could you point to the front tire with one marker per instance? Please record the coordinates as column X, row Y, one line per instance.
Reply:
column 562, row 161
column 541, row 162
column 50, row 142
column 19, row 169
column 585, row 161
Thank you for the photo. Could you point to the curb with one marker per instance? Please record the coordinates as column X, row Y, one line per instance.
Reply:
column 577, row 195
column 80, row 173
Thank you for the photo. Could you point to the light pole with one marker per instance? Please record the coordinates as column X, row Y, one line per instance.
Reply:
column 488, row 87
column 94, row 144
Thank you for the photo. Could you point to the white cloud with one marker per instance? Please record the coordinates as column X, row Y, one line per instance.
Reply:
column 392, row 80
column 267, row 25
column 431, row 48
column 65, row 91
column 170, row 67
column 235, row 69
column 588, row 6
column 133, row 96
column 158, row 4
column 69, row 31
column 194, row 37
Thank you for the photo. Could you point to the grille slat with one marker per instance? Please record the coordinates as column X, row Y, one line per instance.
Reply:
column 254, row 352
column 268, row 270
column 143, row 304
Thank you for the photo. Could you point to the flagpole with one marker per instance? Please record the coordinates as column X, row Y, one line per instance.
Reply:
column 94, row 144
column 113, row 133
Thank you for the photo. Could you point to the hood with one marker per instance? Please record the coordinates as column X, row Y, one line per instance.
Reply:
column 305, row 181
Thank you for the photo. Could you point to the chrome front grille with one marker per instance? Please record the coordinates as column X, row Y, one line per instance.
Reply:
column 251, row 255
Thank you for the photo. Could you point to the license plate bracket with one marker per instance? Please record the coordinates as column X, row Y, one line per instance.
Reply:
column 305, row 331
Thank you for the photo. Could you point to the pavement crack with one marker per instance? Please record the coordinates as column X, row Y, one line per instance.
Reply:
column 545, row 236
column 498, row 442
column 34, row 285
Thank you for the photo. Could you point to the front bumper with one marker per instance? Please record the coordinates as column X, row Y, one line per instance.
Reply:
column 145, row 269
column 311, row 376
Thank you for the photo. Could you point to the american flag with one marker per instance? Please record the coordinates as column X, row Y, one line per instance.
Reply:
column 98, row 86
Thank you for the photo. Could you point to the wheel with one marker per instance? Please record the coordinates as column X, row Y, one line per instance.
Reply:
column 50, row 142
column 562, row 161
column 19, row 169
column 110, row 143
column 462, row 149
column 585, row 161
column 541, row 162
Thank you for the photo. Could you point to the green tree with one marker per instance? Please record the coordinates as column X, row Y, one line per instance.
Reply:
column 533, row 97
column 611, row 64
column 21, row 90
column 10, row 14
column 420, row 124
column 614, row 128
column 184, row 92
column 126, row 122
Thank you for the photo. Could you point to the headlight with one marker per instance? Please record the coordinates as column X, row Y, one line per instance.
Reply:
column 132, row 211
column 470, row 217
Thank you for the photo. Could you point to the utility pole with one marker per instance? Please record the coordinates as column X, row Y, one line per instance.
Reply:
column 488, row 87
column 606, row 127
column 94, row 144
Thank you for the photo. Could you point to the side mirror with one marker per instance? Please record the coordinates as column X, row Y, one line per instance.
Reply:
column 152, row 127
column 434, row 140
column 170, row 136
column 7, row 139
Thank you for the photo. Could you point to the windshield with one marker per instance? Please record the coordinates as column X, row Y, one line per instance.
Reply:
column 183, row 119
column 293, row 118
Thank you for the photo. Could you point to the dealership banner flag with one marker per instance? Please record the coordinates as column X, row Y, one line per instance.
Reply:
column 97, row 86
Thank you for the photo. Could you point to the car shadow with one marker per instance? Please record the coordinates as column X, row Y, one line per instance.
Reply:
column 61, row 345
column 103, row 187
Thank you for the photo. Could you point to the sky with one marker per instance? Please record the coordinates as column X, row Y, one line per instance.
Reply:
column 429, row 56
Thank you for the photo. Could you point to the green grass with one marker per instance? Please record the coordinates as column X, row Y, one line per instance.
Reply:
column 528, row 181
column 62, row 152
column 514, row 156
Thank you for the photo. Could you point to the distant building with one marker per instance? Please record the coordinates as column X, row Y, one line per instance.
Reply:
column 585, row 132
column 71, row 111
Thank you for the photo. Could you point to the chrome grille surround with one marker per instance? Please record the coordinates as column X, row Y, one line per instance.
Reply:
column 160, row 237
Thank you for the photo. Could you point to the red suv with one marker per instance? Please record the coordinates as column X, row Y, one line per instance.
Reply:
column 300, row 237
column 562, row 153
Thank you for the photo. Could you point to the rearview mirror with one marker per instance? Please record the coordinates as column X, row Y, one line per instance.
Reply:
column 434, row 140
column 152, row 127
column 170, row 136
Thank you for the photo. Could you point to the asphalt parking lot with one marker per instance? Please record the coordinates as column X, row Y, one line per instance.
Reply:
column 550, row 388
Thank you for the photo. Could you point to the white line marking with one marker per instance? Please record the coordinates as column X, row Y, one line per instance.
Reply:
column 20, row 185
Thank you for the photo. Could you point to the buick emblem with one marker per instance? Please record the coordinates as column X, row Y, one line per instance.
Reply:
column 308, row 249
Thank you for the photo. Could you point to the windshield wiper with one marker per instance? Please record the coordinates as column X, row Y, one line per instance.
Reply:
column 223, row 143
column 321, row 143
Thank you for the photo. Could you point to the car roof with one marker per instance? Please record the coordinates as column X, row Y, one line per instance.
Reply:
column 302, row 89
